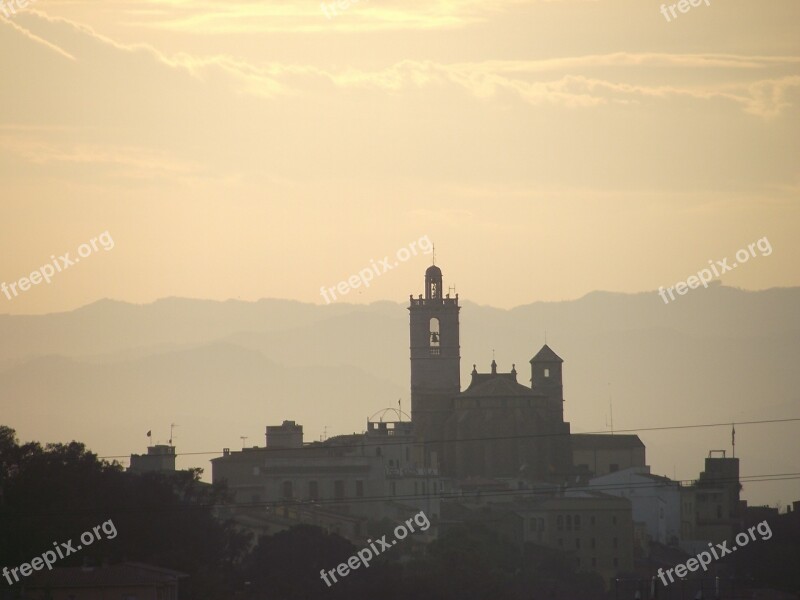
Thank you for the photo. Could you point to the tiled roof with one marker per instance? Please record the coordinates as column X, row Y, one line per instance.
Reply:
column 496, row 385
column 546, row 354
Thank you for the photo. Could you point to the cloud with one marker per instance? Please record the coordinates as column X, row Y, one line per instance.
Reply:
column 488, row 79
column 217, row 18
column 36, row 38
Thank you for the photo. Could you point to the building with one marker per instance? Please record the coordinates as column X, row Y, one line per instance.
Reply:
column 370, row 476
column 497, row 427
column 595, row 455
column 655, row 500
column 159, row 458
column 125, row 580
column 593, row 528
column 710, row 507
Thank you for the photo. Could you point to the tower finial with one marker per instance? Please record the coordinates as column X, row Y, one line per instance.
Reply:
column 434, row 254
column 545, row 336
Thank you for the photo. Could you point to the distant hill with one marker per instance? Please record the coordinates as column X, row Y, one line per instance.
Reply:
column 106, row 373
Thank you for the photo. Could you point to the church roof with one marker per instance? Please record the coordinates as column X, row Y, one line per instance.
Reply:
column 604, row 441
column 546, row 354
column 500, row 384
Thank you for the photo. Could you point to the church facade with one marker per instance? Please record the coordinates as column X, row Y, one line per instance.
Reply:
column 496, row 427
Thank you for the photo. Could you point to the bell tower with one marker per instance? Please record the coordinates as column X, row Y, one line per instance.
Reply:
column 546, row 380
column 435, row 363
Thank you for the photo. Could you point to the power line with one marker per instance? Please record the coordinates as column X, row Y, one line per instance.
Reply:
column 316, row 445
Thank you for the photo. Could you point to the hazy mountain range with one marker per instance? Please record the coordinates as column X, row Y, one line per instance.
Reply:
column 107, row 373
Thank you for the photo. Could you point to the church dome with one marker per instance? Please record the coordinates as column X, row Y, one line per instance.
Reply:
column 433, row 272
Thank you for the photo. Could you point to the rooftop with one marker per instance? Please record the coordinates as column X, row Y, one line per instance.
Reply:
column 604, row 441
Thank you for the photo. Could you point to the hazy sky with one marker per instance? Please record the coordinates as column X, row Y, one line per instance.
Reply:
column 263, row 149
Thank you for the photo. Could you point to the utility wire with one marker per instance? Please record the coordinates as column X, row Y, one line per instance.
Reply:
column 321, row 445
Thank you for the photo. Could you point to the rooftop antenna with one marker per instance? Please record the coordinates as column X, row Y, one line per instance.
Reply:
column 434, row 254
column 171, row 427
column 244, row 439
column 733, row 439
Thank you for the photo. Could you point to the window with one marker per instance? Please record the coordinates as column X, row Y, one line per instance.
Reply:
column 591, row 520
column 338, row 489
column 616, row 542
column 593, row 543
column 547, row 372
column 577, row 522
column 359, row 489
column 560, row 542
column 313, row 490
column 616, row 561
column 394, row 488
column 532, row 525
column 719, row 511
column 541, row 524
column 435, row 336
column 256, row 470
column 408, row 453
column 560, row 523
column 578, row 543
column 614, row 520
column 613, row 467
column 594, row 562
column 569, row 522
column 287, row 489
column 378, row 451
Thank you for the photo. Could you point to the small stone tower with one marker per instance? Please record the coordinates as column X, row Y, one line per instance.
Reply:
column 546, row 381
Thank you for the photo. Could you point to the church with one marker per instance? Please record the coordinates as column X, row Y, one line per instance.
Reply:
column 496, row 427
